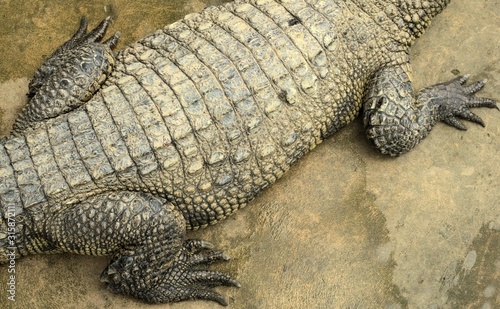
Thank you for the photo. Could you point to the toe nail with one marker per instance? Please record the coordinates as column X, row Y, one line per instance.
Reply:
column 207, row 245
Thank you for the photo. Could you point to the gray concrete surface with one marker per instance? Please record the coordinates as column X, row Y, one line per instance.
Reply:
column 346, row 227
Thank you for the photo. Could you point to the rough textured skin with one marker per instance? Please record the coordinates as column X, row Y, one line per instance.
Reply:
column 69, row 77
column 198, row 118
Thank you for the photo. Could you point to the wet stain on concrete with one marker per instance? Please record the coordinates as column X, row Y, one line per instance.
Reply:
column 475, row 282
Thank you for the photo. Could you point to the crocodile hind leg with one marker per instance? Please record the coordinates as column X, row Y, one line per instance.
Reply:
column 69, row 77
column 396, row 119
column 151, row 259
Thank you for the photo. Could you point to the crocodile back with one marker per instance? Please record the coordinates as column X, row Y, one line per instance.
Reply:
column 214, row 108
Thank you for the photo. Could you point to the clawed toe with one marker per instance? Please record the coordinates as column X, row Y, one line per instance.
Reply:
column 464, row 114
column 204, row 294
column 185, row 278
column 199, row 252
column 207, row 258
column 69, row 77
column 475, row 87
column 213, row 278
column 458, row 98
column 188, row 277
column 193, row 245
column 468, row 115
column 81, row 37
column 98, row 33
column 474, row 102
column 471, row 89
column 452, row 121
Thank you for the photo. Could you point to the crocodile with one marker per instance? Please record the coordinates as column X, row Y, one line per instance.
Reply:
column 120, row 154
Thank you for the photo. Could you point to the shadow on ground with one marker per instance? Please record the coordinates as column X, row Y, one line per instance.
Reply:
column 346, row 227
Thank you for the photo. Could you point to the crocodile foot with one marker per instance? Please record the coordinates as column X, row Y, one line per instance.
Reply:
column 151, row 258
column 454, row 99
column 69, row 77
column 396, row 119
column 58, row 57
column 185, row 278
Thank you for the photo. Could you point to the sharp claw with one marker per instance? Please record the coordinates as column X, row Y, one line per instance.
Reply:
column 209, row 257
column 206, row 245
column 207, row 294
column 459, row 98
column 82, row 29
column 214, row 296
column 475, row 87
column 180, row 280
column 212, row 278
column 196, row 244
column 481, row 102
column 76, row 38
column 452, row 121
column 463, row 79
column 98, row 33
column 468, row 115
column 113, row 40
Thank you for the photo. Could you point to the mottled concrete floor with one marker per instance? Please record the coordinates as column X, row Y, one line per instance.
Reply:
column 346, row 227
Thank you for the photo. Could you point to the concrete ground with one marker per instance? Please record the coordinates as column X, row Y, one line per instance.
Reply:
column 346, row 227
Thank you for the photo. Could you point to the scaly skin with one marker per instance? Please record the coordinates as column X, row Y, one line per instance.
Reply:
column 198, row 118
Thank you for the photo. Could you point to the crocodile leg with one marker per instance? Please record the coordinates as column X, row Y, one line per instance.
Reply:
column 396, row 119
column 69, row 77
column 57, row 58
column 146, row 236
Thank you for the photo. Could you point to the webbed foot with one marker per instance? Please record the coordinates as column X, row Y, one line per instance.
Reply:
column 455, row 99
column 58, row 57
column 185, row 278
column 70, row 76
column 396, row 119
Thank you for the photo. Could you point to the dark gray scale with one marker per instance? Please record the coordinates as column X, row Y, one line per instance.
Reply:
column 69, row 77
column 14, row 203
column 223, row 112
column 180, row 106
column 161, row 106
column 196, row 149
column 10, row 197
column 276, row 114
column 51, row 176
column 59, row 57
column 281, row 63
column 302, row 38
column 141, row 124
column 212, row 145
column 112, row 144
column 236, row 70
column 352, row 43
column 143, row 91
column 306, row 18
column 289, row 55
column 185, row 119
column 242, row 68
column 91, row 151
column 27, row 182
column 131, row 132
column 302, row 43
column 175, row 162
column 198, row 118
column 67, row 158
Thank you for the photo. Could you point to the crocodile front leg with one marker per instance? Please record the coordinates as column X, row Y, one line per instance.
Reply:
column 151, row 260
column 69, row 77
column 396, row 120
